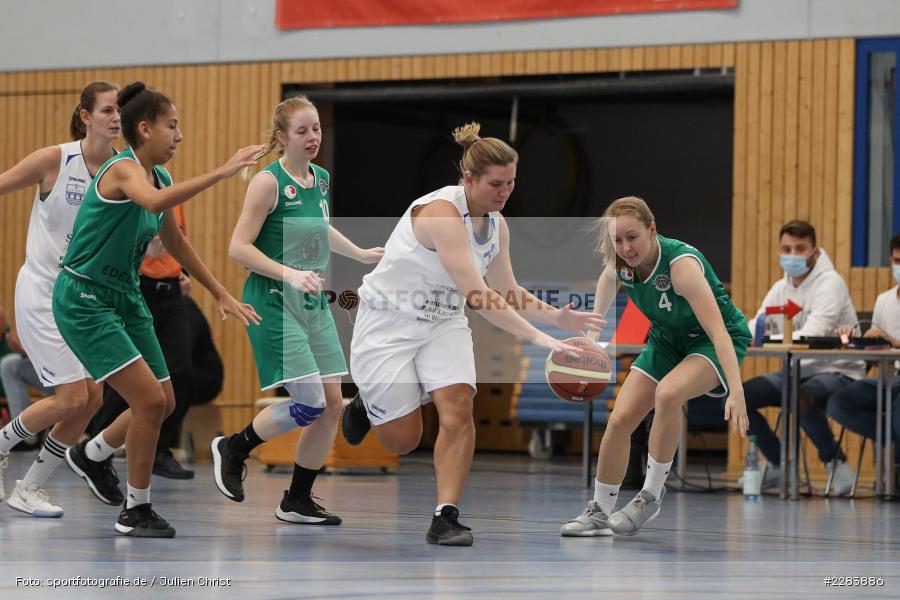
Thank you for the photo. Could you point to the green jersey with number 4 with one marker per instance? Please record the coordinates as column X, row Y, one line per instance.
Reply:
column 295, row 233
column 662, row 305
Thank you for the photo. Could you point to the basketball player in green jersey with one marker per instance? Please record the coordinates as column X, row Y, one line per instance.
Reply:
column 97, row 302
column 696, row 343
column 284, row 238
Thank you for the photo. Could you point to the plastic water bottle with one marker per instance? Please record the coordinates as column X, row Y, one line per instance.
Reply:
column 752, row 474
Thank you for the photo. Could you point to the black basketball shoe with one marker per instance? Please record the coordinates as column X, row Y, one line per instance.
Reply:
column 446, row 530
column 100, row 477
column 142, row 521
column 355, row 422
column 229, row 469
column 305, row 511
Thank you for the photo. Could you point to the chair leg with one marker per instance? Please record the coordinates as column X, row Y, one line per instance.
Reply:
column 831, row 474
column 809, row 489
column 777, row 428
column 802, row 455
column 862, row 450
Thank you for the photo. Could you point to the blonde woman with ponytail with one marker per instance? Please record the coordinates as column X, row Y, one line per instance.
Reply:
column 696, row 343
column 412, row 343
column 283, row 236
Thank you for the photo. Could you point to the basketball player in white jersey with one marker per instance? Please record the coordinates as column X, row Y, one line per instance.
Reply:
column 412, row 343
column 62, row 174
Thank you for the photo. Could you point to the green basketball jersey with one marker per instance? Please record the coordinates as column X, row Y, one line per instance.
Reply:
column 110, row 237
column 295, row 233
column 661, row 304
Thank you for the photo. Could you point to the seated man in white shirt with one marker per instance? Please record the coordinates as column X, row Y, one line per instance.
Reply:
column 854, row 405
column 811, row 282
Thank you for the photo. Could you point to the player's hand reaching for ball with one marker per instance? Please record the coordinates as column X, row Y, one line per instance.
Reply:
column 555, row 345
column 568, row 319
column 736, row 412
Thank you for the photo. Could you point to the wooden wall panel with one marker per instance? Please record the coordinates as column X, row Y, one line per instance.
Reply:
column 844, row 160
column 751, row 197
column 779, row 146
column 793, row 146
column 793, row 160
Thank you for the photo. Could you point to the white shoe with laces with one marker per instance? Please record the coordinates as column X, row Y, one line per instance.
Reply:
column 4, row 462
column 34, row 501
column 842, row 478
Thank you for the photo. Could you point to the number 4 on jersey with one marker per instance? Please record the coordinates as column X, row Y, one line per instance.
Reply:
column 664, row 302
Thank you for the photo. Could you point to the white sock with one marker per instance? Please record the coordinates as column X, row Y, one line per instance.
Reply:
column 49, row 458
column 14, row 432
column 437, row 510
column 137, row 496
column 606, row 495
column 656, row 475
column 98, row 450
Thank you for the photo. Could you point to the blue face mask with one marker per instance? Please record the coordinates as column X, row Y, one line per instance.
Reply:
column 794, row 265
column 895, row 269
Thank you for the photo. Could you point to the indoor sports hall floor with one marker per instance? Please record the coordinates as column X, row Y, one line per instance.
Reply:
column 701, row 546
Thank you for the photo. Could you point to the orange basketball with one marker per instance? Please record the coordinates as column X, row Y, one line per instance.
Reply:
column 578, row 379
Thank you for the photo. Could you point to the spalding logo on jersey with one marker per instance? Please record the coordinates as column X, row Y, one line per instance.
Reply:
column 323, row 186
column 290, row 191
column 75, row 191
column 662, row 283
column 626, row 273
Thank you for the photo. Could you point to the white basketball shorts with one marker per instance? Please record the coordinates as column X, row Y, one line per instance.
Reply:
column 54, row 362
column 396, row 360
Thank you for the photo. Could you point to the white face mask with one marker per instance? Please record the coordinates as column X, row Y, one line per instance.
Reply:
column 895, row 269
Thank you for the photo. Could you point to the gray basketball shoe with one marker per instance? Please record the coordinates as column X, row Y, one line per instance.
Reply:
column 642, row 509
column 590, row 523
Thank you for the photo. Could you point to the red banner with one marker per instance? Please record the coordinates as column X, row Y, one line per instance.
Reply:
column 318, row 14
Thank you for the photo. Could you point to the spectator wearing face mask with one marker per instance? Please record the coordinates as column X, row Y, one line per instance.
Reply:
column 811, row 282
column 854, row 406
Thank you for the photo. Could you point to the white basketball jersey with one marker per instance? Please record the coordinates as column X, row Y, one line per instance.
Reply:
column 411, row 279
column 53, row 217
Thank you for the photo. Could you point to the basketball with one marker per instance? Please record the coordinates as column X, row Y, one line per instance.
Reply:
column 578, row 380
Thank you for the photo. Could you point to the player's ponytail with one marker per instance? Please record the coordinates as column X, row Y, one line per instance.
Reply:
column 480, row 153
column 467, row 135
column 139, row 103
column 281, row 118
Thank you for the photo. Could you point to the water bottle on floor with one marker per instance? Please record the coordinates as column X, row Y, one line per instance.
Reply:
column 752, row 473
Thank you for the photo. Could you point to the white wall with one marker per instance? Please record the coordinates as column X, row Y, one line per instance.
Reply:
column 54, row 34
